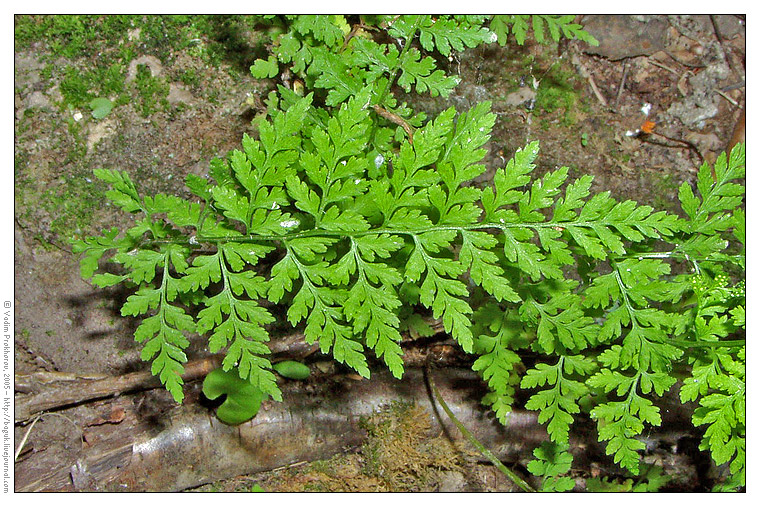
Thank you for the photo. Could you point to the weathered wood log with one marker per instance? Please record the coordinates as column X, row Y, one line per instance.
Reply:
column 56, row 390
column 173, row 449
column 43, row 391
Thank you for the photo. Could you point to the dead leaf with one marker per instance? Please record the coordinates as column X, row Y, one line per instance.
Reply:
column 114, row 417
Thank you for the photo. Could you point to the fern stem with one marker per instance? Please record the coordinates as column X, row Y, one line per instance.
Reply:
column 354, row 234
column 704, row 344
column 474, row 441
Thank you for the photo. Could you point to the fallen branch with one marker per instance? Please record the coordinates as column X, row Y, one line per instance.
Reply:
column 59, row 390
column 45, row 391
column 164, row 447
column 176, row 447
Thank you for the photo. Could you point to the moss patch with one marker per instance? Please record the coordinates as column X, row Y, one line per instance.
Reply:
column 558, row 92
column 399, row 451
column 151, row 90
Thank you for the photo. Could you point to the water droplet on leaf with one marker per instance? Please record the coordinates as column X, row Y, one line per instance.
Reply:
column 289, row 223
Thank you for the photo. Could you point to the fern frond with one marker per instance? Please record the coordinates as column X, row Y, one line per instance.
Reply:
column 366, row 213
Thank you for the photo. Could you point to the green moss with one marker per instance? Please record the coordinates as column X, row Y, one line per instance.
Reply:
column 111, row 79
column 212, row 38
column 72, row 205
column 79, row 86
column 190, row 77
column 557, row 92
column 399, row 450
column 78, row 148
column 77, row 36
column 70, row 36
column 47, row 71
column 233, row 39
column 75, row 87
column 553, row 96
column 152, row 91
column 76, row 204
column 69, row 203
column 316, row 487
column 100, row 48
column 26, row 124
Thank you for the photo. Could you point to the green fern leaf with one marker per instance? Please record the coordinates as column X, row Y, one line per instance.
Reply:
column 123, row 192
column 497, row 362
column 419, row 71
column 444, row 34
column 95, row 247
column 322, row 28
column 557, row 404
column 265, row 68
column 476, row 255
column 334, row 76
column 520, row 24
column 553, row 460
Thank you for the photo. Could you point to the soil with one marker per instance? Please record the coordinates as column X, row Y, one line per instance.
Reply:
column 581, row 103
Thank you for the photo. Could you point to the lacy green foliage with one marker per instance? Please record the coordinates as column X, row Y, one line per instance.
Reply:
column 327, row 53
column 551, row 463
column 321, row 50
column 653, row 338
column 717, row 378
column 520, row 24
column 355, row 222
column 650, row 481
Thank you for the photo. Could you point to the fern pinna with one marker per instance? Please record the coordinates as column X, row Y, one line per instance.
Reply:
column 593, row 299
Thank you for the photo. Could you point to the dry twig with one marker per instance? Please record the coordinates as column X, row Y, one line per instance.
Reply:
column 622, row 84
column 393, row 117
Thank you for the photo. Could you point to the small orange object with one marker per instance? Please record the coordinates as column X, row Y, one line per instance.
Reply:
column 648, row 127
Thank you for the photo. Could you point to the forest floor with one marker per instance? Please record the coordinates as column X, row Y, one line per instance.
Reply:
column 183, row 95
